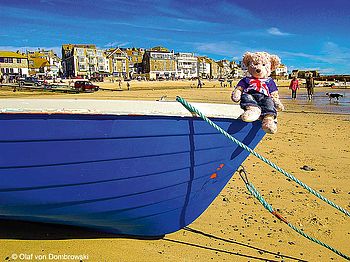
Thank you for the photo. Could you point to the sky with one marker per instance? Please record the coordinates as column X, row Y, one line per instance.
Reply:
column 305, row 34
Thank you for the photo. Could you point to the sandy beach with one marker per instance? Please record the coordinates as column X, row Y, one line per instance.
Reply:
column 235, row 227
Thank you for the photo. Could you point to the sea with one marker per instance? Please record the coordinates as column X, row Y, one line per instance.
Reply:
column 322, row 102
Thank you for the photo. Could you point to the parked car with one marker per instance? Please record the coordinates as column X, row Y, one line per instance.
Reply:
column 85, row 85
column 33, row 81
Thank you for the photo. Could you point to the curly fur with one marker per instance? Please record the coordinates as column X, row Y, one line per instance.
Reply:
column 261, row 64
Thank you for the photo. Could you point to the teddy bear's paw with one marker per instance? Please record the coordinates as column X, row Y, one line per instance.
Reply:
column 236, row 95
column 280, row 106
column 251, row 114
column 269, row 125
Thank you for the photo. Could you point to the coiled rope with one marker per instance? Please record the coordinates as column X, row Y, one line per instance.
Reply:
column 192, row 109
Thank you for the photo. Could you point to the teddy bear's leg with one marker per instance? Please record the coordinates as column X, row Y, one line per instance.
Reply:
column 269, row 125
column 251, row 114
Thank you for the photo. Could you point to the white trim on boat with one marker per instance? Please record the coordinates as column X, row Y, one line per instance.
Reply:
column 115, row 107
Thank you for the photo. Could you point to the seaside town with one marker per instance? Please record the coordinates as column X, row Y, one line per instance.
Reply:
column 86, row 61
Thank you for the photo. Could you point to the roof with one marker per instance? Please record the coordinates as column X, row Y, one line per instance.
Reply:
column 159, row 49
column 115, row 107
column 12, row 54
column 38, row 62
column 113, row 51
column 70, row 46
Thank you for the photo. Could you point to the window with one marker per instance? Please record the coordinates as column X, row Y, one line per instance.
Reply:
column 18, row 60
column 80, row 51
column 90, row 52
column 2, row 60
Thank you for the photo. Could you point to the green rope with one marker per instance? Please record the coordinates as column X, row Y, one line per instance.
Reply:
column 192, row 109
column 261, row 199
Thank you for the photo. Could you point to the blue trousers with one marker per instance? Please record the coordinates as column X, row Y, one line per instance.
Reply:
column 265, row 103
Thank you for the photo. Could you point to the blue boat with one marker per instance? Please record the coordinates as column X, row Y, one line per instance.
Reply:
column 140, row 168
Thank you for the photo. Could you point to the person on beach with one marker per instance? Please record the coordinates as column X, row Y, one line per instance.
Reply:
column 199, row 85
column 294, row 86
column 128, row 85
column 310, row 84
column 120, row 84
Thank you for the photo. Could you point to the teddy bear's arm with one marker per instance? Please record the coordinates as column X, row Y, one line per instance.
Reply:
column 276, row 99
column 236, row 94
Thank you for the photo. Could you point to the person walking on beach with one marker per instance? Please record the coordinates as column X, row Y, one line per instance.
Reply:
column 128, row 85
column 200, row 84
column 294, row 86
column 120, row 84
column 310, row 87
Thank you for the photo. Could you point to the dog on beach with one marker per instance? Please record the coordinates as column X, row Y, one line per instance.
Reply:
column 334, row 96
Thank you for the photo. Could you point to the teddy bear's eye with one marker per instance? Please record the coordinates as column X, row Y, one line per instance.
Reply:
column 263, row 64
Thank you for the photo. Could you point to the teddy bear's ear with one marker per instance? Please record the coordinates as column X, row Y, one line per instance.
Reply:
column 275, row 62
column 247, row 57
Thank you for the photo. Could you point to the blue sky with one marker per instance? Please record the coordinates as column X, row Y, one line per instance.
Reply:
column 305, row 34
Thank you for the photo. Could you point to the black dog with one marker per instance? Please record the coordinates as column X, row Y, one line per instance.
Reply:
column 334, row 95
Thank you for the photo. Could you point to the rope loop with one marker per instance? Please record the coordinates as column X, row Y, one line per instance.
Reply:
column 192, row 109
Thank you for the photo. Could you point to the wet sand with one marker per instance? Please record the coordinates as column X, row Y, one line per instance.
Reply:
column 235, row 227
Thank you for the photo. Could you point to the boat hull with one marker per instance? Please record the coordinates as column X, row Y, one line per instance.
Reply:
column 130, row 175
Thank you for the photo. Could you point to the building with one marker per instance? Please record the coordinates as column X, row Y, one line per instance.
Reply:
column 13, row 64
column 237, row 71
column 135, row 57
column 83, row 60
column 159, row 63
column 118, row 62
column 214, row 69
column 304, row 73
column 38, row 65
column 225, row 68
column 186, row 65
column 203, row 64
column 281, row 72
column 51, row 69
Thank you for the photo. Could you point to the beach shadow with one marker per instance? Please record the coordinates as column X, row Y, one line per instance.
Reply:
column 259, row 250
column 24, row 230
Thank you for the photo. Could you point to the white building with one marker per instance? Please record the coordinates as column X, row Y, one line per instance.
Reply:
column 53, row 68
column 186, row 65
column 13, row 64
column 281, row 70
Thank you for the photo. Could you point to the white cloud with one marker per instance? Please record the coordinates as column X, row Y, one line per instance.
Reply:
column 276, row 32
column 228, row 49
column 116, row 44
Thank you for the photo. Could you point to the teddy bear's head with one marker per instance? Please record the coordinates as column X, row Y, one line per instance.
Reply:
column 260, row 64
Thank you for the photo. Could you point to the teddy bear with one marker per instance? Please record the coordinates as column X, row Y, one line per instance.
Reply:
column 258, row 93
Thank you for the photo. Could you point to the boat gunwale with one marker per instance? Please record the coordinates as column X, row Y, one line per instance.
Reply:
column 114, row 108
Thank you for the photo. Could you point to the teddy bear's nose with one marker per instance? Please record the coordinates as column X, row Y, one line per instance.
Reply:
column 258, row 70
